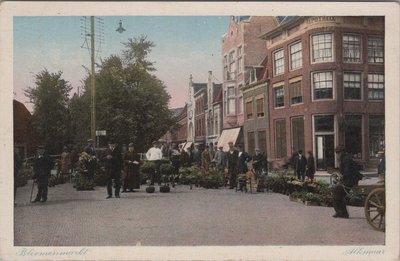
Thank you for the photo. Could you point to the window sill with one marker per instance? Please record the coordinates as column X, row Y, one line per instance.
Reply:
column 296, row 104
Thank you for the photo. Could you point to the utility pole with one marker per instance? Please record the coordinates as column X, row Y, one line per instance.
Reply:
column 93, row 84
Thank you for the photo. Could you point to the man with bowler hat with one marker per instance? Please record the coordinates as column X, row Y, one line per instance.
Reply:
column 113, row 167
column 42, row 168
column 232, row 158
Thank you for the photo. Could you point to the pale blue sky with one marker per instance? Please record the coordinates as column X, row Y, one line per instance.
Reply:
column 184, row 45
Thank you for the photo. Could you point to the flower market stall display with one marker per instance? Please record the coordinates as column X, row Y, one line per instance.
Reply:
column 166, row 171
column 147, row 170
column 82, row 179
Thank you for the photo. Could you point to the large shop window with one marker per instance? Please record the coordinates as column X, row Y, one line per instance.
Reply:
column 376, row 86
column 262, row 141
column 352, row 86
column 322, row 47
column 231, row 101
column 280, row 140
column 279, row 97
column 376, row 134
column 296, row 94
column 260, row 106
column 353, row 135
column 351, row 48
column 298, row 133
column 250, row 142
column 323, row 85
column 279, row 62
column 296, row 56
column 375, row 49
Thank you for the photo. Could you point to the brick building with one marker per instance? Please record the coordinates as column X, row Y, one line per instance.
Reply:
column 242, row 49
column 24, row 138
column 213, row 110
column 326, row 87
column 256, row 114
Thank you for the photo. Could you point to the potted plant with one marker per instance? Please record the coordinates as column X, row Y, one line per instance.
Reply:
column 166, row 170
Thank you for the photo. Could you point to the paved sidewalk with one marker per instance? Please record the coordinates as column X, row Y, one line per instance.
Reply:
column 182, row 217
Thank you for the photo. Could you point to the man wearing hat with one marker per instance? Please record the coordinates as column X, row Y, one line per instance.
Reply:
column 41, row 169
column 113, row 167
column 131, row 167
column 220, row 159
column 232, row 157
column 350, row 177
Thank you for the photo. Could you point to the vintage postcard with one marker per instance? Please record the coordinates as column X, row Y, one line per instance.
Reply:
column 199, row 131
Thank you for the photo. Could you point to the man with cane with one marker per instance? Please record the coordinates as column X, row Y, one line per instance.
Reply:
column 41, row 168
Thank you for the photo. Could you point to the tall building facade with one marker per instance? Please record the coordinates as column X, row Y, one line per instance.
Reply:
column 213, row 112
column 327, row 87
column 242, row 49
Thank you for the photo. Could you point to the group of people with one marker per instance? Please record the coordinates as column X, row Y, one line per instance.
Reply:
column 304, row 167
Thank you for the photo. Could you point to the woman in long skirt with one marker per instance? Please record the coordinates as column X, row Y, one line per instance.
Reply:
column 131, row 168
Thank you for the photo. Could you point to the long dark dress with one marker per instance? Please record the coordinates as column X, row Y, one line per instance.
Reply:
column 132, row 176
column 310, row 167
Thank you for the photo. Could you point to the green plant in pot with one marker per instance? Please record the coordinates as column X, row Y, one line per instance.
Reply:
column 166, row 170
column 147, row 170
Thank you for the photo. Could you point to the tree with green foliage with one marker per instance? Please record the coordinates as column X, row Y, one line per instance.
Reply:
column 131, row 103
column 50, row 98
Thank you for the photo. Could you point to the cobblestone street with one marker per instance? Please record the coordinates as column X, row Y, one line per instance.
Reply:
column 182, row 217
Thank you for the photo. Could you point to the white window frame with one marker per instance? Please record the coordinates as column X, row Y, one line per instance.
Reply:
column 376, row 84
column 278, row 86
column 375, row 37
column 333, row 86
column 296, row 53
column 332, row 59
column 360, row 84
column 240, row 59
column 280, row 58
column 359, row 46
column 229, row 98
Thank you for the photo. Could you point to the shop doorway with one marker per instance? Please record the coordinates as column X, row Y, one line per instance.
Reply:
column 325, row 151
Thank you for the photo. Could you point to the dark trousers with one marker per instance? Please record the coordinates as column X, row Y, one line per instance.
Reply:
column 42, row 192
column 300, row 174
column 232, row 177
column 117, row 181
column 339, row 202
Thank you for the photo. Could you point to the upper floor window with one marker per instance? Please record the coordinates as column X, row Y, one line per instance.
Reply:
column 239, row 60
column 296, row 94
column 322, row 85
column 322, row 47
column 375, row 49
column 232, row 65
column 352, row 86
column 279, row 62
column 279, row 96
column 249, row 108
column 231, row 101
column 296, row 56
column 260, row 106
column 376, row 85
column 351, row 48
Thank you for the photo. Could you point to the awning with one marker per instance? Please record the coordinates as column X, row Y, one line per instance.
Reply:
column 187, row 145
column 227, row 136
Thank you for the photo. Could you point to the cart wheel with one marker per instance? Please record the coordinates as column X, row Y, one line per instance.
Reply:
column 335, row 178
column 375, row 209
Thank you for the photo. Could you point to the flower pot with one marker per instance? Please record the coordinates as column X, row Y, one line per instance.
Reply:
column 165, row 189
column 150, row 189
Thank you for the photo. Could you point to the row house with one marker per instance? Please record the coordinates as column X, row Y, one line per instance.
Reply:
column 326, row 87
column 25, row 139
column 213, row 111
column 242, row 50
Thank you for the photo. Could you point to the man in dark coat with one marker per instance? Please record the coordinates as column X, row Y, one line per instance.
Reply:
column 113, row 167
column 131, row 167
column 232, row 157
column 310, row 171
column 196, row 156
column 243, row 159
column 350, row 177
column 300, row 165
column 42, row 168
column 259, row 162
